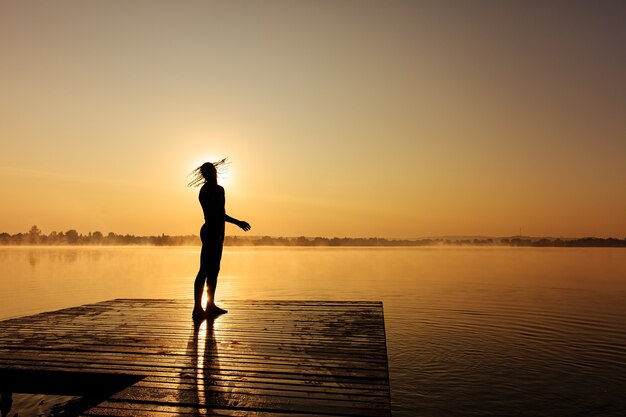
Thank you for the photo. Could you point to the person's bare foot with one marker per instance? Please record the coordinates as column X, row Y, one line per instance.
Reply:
column 213, row 310
column 197, row 314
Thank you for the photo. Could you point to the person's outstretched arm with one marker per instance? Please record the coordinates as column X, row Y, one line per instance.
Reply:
column 243, row 225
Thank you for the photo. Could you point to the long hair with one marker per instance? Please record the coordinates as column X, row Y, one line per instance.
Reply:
column 208, row 172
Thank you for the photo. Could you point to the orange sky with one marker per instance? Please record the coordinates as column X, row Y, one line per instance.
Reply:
column 395, row 119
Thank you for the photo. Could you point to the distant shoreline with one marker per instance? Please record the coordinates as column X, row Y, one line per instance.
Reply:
column 72, row 237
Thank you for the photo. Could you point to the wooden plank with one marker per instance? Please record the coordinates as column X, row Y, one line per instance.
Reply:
column 265, row 358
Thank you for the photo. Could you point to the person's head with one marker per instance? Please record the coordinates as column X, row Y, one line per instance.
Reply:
column 209, row 172
column 206, row 173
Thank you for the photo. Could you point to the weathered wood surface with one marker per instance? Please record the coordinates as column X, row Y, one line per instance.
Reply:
column 263, row 358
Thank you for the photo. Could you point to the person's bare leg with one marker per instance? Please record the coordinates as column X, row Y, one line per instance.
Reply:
column 198, row 289
column 211, row 281
column 198, row 285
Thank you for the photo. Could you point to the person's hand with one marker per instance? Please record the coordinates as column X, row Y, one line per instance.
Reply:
column 244, row 225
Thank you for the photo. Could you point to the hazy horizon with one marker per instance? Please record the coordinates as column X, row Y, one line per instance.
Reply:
column 36, row 236
column 394, row 119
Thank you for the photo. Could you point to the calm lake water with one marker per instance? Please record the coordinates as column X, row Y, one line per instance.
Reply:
column 470, row 331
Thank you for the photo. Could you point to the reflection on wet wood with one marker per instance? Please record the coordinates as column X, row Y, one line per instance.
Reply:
column 263, row 358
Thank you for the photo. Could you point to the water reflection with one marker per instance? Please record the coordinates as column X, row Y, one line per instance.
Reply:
column 33, row 260
column 205, row 364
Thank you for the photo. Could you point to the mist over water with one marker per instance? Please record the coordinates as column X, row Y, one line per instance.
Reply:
column 470, row 331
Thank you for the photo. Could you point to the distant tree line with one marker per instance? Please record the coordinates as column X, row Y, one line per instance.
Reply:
column 586, row 242
column 323, row 241
column 71, row 237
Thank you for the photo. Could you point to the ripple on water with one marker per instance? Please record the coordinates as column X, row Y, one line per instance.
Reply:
column 515, row 359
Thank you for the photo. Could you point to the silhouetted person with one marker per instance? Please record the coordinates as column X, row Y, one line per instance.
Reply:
column 212, row 201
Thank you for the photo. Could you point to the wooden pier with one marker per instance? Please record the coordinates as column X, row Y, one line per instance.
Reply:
column 136, row 357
